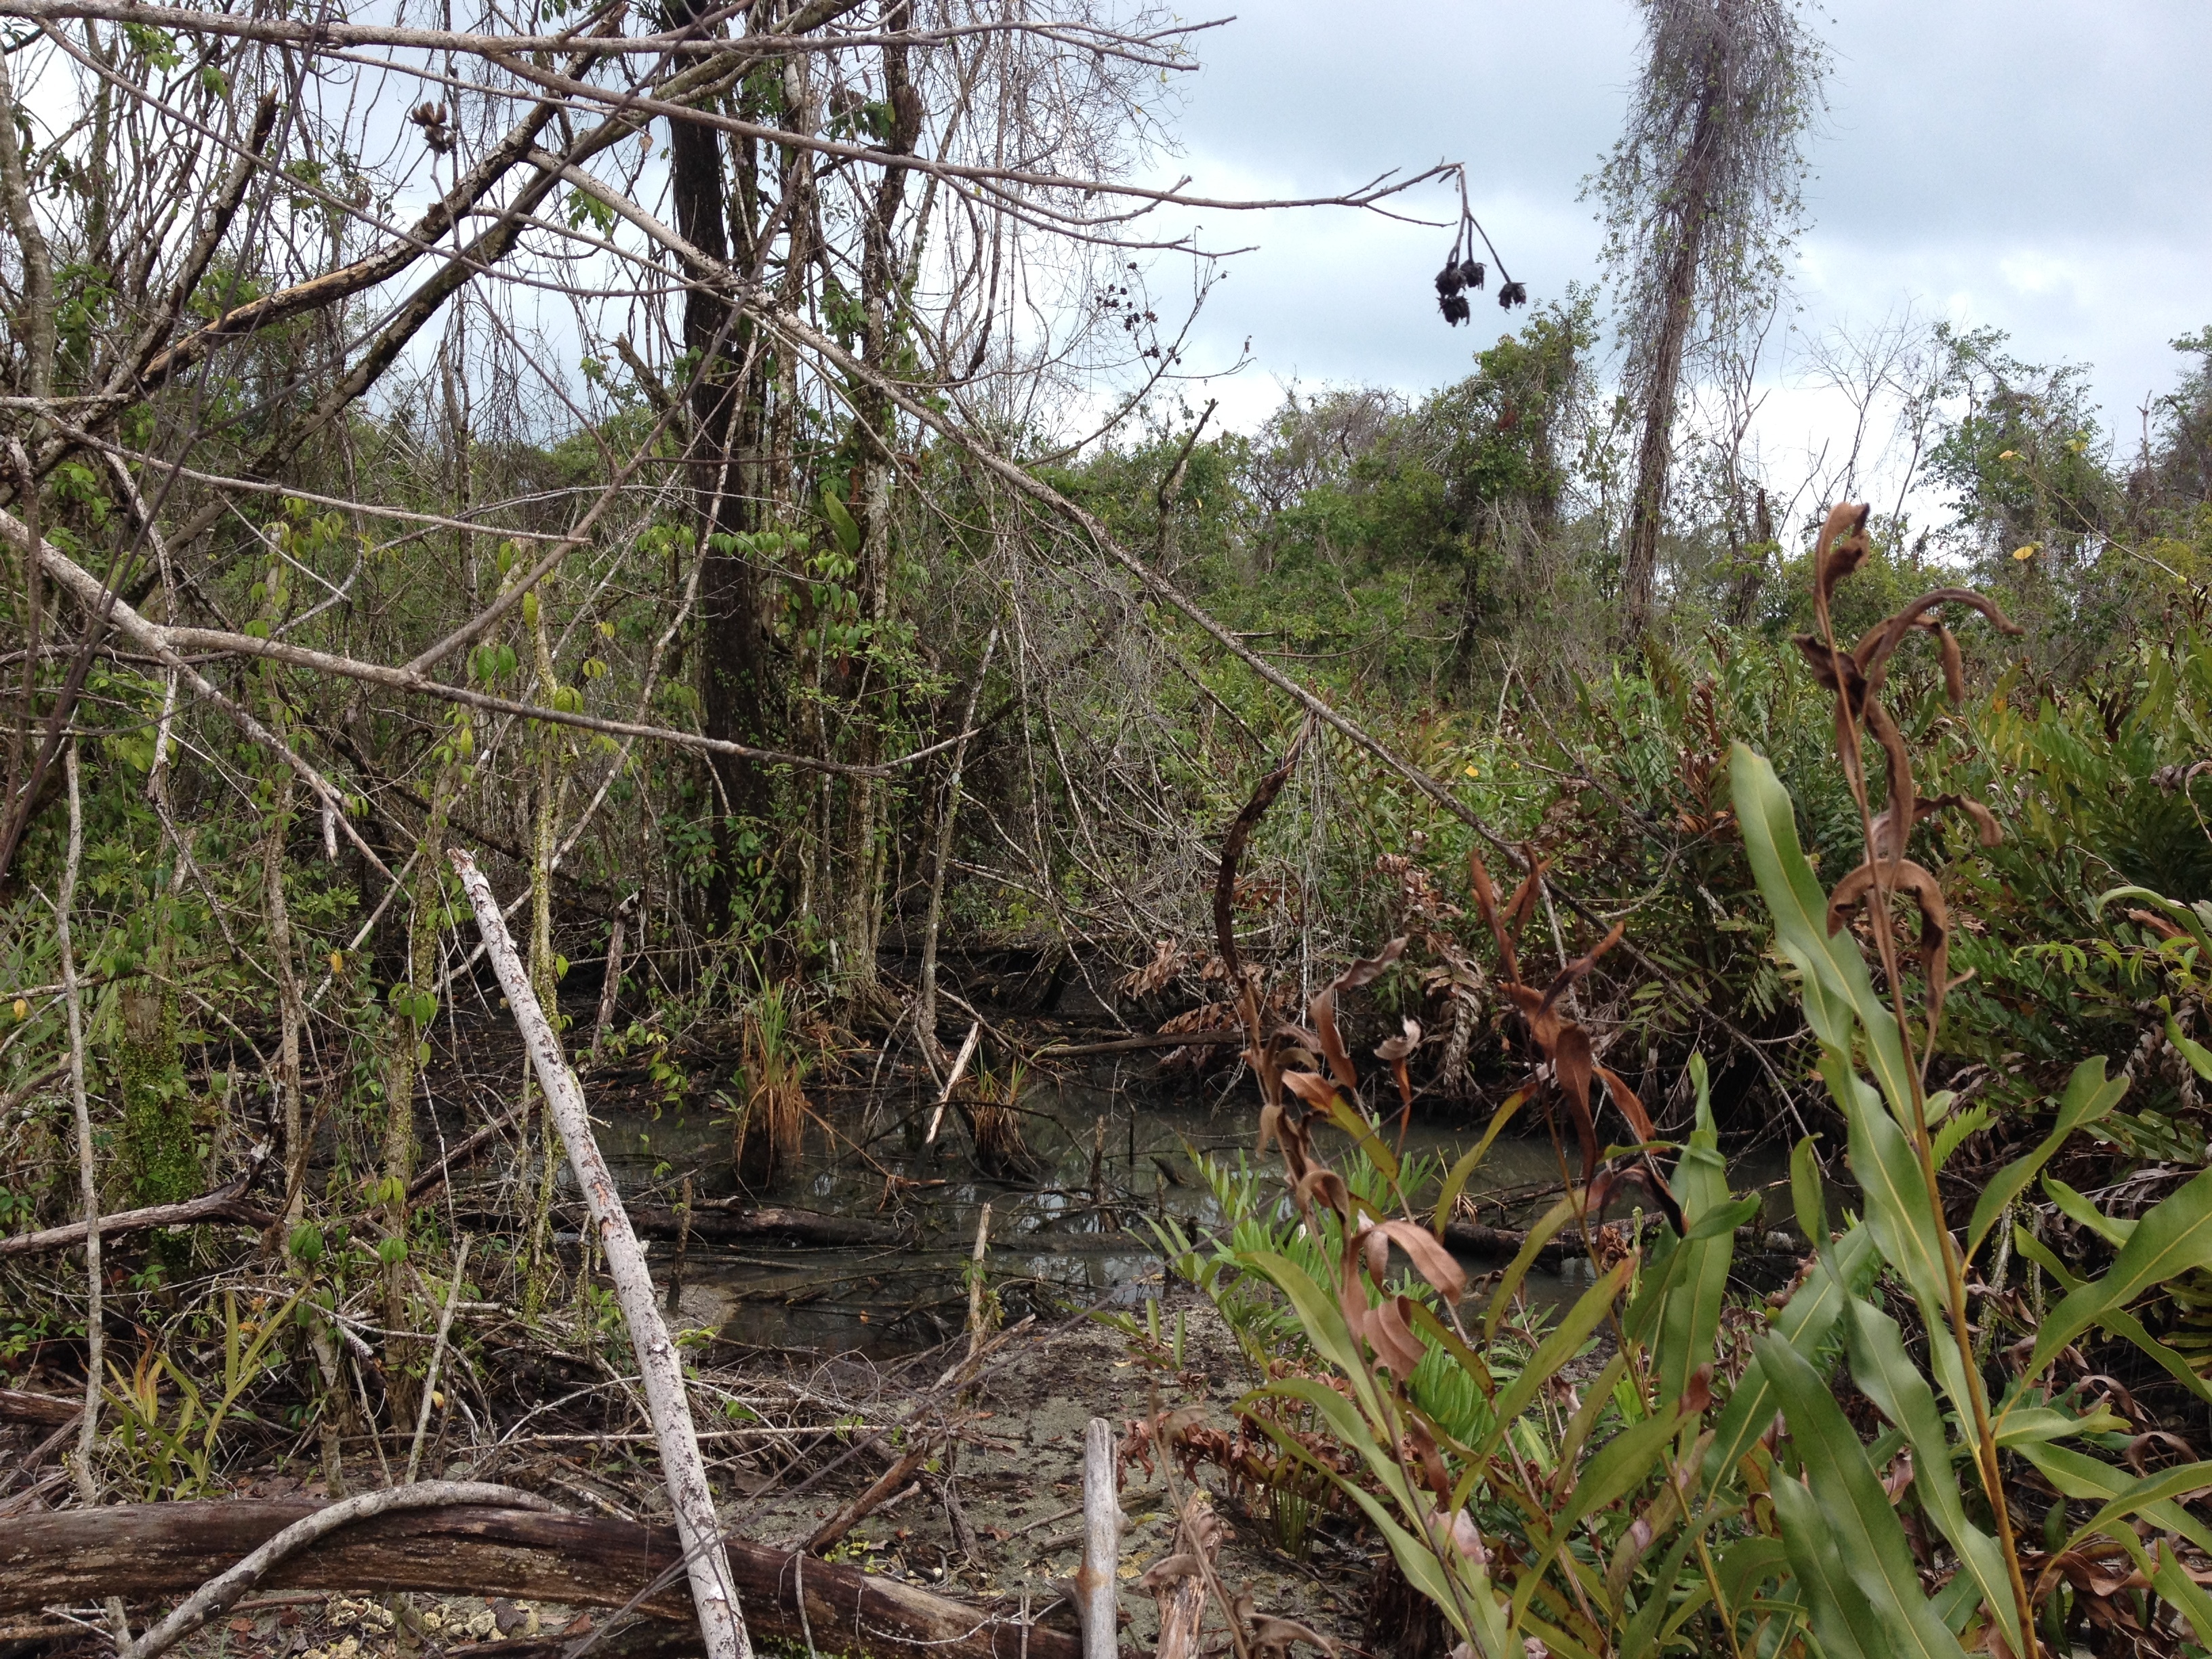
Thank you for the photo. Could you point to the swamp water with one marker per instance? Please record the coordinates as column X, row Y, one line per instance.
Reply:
column 1054, row 1245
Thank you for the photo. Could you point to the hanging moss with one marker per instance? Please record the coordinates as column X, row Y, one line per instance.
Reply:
column 161, row 1156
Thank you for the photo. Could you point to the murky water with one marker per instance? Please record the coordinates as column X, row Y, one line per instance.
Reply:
column 1058, row 1235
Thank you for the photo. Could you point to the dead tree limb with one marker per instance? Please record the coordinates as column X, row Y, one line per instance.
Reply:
column 659, row 1368
column 227, row 1202
column 891, row 1480
column 148, row 1551
column 217, row 1594
column 46, row 1408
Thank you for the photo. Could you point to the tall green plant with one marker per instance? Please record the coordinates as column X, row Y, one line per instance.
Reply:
column 1667, row 1504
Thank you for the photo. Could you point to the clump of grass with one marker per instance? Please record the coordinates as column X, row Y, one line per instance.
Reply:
column 770, row 1137
column 995, row 1127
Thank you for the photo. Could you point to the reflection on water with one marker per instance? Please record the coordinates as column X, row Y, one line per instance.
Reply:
column 1065, row 1235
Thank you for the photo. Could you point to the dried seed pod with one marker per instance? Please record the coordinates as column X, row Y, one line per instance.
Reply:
column 1455, row 308
column 1471, row 272
column 1448, row 281
column 1511, row 294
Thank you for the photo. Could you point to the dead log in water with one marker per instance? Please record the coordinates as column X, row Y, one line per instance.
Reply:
column 1472, row 1239
column 157, row 1551
column 728, row 1221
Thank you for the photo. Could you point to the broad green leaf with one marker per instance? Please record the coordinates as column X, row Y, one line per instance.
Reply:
column 1898, row 1208
column 2018, row 1425
column 1376, row 1447
column 2088, row 1096
column 1323, row 1321
column 1836, row 987
column 1804, row 1323
column 1509, row 1286
column 1455, row 1182
column 1743, row 1565
column 2175, row 1483
column 1692, row 1315
column 2189, row 918
column 1563, row 1344
column 1808, row 1194
column 2077, row 1208
column 1842, row 1618
column 1846, row 1503
column 2199, row 1058
column 2175, row 1236
column 1888, row 1378
column 2040, row 1254
column 841, row 523
column 2172, row 1580
column 2128, row 1328
column 2081, row 1476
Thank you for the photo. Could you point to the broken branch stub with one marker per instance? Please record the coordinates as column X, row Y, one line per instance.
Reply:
column 721, row 1624
column 1097, row 1580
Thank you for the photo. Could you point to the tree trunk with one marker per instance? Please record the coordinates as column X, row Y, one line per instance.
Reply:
column 1654, row 453
column 725, row 425
column 875, row 434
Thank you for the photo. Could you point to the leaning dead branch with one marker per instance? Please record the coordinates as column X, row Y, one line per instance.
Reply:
column 660, row 1366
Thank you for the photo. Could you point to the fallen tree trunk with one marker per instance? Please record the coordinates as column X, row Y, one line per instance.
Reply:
column 227, row 1202
column 1472, row 1239
column 146, row 1552
column 724, row 1221
column 1203, row 1039
column 39, row 1408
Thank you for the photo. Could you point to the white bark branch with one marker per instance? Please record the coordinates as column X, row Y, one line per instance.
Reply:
column 213, row 1597
column 659, row 1367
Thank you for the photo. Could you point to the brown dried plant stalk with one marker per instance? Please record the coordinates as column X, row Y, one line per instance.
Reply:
column 1855, row 679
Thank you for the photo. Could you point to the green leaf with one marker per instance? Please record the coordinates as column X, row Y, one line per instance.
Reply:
column 1846, row 1504
column 1509, row 1284
column 1899, row 1210
column 1888, row 1378
column 2172, row 1580
column 1317, row 1311
column 2175, row 1483
column 2078, row 1209
column 1836, row 987
column 1804, row 1324
column 1745, row 1565
column 1691, row 1316
column 841, row 523
column 2173, row 1238
column 1455, row 1182
column 2199, row 1058
column 2089, row 1096
column 2192, row 919
column 1565, row 1342
column 1842, row 1618
column 1808, row 1196
column 2080, row 1476
column 2040, row 1254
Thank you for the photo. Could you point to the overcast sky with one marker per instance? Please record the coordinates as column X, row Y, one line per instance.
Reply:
column 2037, row 166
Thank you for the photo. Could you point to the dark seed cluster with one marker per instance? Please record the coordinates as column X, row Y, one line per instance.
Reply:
column 1463, row 276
